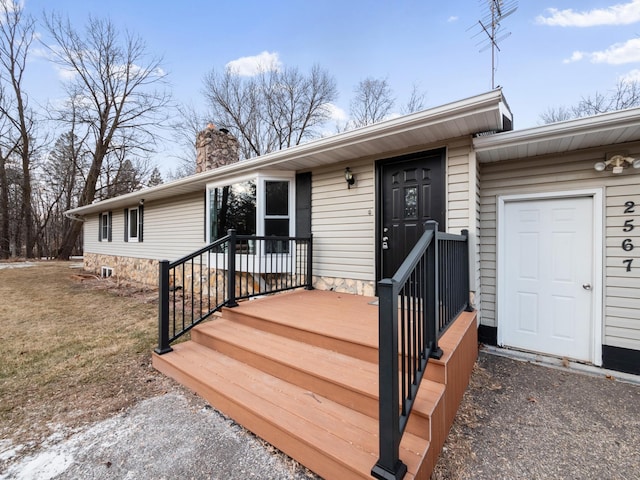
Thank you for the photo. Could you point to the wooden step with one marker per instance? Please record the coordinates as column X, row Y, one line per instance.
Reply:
column 343, row 323
column 343, row 379
column 334, row 441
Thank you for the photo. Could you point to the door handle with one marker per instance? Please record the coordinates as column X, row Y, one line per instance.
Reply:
column 586, row 286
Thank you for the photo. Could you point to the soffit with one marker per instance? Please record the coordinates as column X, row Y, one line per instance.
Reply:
column 597, row 131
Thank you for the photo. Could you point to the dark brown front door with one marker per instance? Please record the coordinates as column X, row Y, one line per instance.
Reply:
column 412, row 190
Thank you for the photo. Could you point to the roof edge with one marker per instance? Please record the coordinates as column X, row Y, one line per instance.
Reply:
column 603, row 121
column 491, row 99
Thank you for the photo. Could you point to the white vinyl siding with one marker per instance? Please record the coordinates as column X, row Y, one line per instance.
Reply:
column 622, row 302
column 462, row 202
column 172, row 229
column 343, row 222
column 458, row 174
column 568, row 172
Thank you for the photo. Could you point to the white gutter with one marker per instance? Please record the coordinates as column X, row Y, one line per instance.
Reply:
column 72, row 216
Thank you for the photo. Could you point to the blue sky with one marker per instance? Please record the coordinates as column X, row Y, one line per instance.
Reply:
column 558, row 50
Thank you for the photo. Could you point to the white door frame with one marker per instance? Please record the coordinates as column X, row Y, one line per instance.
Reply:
column 597, row 281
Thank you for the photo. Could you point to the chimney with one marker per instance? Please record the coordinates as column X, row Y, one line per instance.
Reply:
column 215, row 148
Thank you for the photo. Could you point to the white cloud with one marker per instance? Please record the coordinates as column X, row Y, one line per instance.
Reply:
column 250, row 66
column 65, row 74
column 619, row 53
column 336, row 113
column 632, row 76
column 616, row 54
column 621, row 14
column 452, row 18
column 575, row 57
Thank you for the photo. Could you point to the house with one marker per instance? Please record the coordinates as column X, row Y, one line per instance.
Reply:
column 525, row 273
column 551, row 217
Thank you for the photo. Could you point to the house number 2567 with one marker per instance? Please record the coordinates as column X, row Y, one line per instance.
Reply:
column 627, row 243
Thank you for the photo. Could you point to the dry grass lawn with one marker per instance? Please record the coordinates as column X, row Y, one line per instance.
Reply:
column 77, row 350
column 73, row 350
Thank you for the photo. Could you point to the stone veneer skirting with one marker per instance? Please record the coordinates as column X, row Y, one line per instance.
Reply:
column 345, row 285
column 145, row 271
column 139, row 270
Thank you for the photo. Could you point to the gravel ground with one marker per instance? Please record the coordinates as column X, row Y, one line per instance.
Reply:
column 518, row 421
column 535, row 422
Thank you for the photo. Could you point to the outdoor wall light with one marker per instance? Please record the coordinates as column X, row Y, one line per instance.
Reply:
column 348, row 176
column 617, row 164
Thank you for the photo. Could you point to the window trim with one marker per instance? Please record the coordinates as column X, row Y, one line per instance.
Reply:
column 127, row 224
column 109, row 226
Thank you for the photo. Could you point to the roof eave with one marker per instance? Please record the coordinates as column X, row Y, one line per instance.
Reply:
column 492, row 102
column 495, row 147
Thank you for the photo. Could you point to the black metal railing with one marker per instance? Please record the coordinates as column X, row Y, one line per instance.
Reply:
column 416, row 305
column 232, row 268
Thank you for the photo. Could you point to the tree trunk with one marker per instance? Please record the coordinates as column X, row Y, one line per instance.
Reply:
column 4, row 212
column 69, row 240
column 88, row 195
column 27, row 215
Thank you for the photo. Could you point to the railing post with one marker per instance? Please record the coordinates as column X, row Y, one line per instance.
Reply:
column 433, row 294
column 163, row 308
column 389, row 466
column 309, row 285
column 231, row 269
column 465, row 263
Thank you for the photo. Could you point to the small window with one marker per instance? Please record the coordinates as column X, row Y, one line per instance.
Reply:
column 276, row 219
column 104, row 229
column 106, row 272
column 133, row 222
column 133, row 225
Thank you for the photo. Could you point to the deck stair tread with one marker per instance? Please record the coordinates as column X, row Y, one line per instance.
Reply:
column 355, row 381
column 299, row 369
column 348, row 318
column 281, row 410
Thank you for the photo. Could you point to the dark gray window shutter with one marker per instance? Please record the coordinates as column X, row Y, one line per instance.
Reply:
column 110, row 225
column 99, row 227
column 126, row 224
column 303, row 204
column 204, row 226
column 140, row 222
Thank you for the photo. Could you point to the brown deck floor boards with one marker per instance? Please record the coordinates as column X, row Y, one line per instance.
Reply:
column 331, row 314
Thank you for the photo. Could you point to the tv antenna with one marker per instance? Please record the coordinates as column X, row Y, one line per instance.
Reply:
column 490, row 25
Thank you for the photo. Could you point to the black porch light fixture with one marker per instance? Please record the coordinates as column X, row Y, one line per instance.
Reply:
column 348, row 176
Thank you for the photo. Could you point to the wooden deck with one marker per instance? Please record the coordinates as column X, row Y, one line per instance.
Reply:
column 299, row 370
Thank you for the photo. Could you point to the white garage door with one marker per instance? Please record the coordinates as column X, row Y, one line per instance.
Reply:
column 547, row 270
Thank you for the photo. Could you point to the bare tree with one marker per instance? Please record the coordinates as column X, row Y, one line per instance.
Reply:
column 7, row 148
column 59, row 182
column 557, row 114
column 416, row 100
column 117, row 91
column 372, row 103
column 626, row 94
column 185, row 129
column 273, row 110
column 16, row 36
